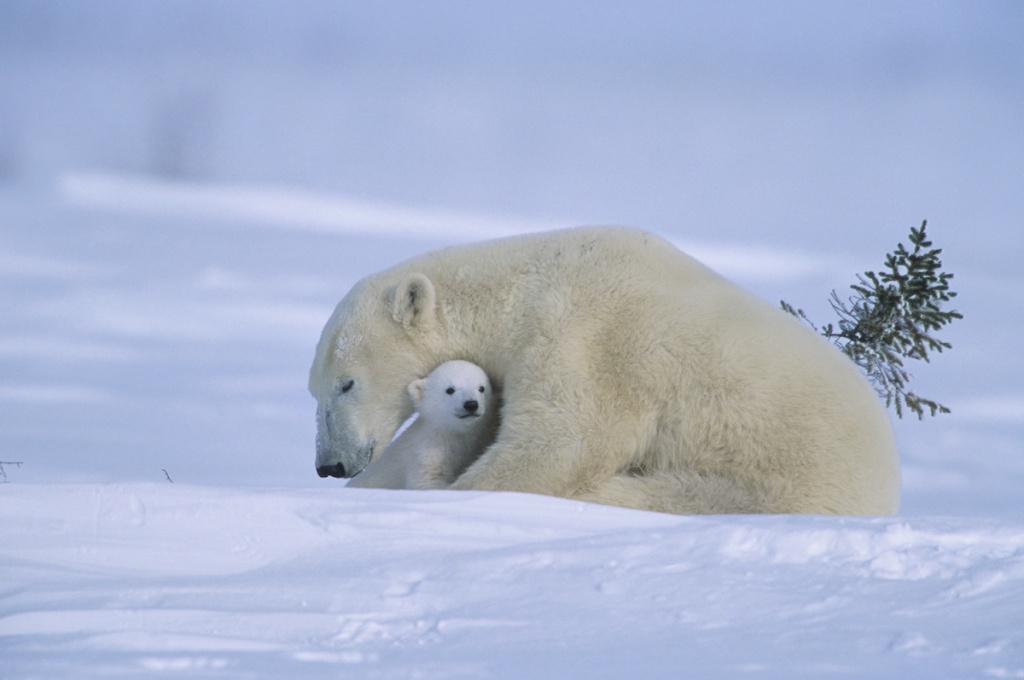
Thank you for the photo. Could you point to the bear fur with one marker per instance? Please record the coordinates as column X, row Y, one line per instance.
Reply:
column 457, row 418
column 630, row 373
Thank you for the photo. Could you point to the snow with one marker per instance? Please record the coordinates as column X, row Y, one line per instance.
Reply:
column 279, row 208
column 131, row 579
column 186, row 190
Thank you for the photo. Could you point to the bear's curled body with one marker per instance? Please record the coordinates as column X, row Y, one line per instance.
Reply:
column 631, row 375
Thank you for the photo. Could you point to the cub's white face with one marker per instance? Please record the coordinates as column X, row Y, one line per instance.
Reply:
column 454, row 397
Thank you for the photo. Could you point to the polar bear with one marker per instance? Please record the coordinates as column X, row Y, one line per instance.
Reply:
column 630, row 374
column 457, row 418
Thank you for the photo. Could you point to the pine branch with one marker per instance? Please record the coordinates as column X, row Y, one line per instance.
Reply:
column 891, row 316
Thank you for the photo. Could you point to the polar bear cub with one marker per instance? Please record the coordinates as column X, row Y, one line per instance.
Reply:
column 457, row 419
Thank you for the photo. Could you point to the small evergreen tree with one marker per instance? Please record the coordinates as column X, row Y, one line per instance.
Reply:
column 893, row 316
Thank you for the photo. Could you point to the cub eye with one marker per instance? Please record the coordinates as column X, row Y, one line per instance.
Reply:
column 346, row 386
column 481, row 389
column 450, row 390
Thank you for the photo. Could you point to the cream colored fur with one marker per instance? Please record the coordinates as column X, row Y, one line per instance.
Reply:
column 631, row 375
column 457, row 418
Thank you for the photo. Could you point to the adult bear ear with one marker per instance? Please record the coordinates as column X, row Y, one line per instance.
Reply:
column 414, row 301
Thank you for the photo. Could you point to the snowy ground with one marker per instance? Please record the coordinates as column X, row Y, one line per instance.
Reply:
column 180, row 209
column 115, row 580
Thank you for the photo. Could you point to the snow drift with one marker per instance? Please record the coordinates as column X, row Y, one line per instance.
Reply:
column 108, row 581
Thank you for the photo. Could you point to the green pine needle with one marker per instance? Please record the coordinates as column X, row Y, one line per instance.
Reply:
column 893, row 316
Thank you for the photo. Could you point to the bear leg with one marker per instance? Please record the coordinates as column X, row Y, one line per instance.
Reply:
column 685, row 493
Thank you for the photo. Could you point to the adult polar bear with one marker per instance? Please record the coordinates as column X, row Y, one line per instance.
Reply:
column 632, row 375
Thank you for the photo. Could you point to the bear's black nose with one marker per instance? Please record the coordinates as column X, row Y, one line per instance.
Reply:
column 336, row 470
column 471, row 406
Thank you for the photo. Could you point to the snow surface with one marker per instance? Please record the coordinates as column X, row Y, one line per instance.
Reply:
column 130, row 580
column 187, row 189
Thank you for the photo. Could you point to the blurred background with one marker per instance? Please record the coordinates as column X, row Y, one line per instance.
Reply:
column 188, row 187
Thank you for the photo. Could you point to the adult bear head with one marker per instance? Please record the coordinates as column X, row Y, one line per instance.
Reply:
column 381, row 337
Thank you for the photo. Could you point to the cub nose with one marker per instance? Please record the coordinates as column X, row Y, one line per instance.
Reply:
column 471, row 406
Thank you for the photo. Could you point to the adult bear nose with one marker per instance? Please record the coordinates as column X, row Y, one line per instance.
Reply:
column 336, row 470
column 471, row 406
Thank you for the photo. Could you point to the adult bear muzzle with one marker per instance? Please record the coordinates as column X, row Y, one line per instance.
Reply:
column 336, row 470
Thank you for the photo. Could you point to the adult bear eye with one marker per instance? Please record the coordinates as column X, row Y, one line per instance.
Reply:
column 450, row 390
column 481, row 389
column 347, row 386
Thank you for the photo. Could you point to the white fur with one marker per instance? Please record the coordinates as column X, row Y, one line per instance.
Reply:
column 630, row 375
column 458, row 417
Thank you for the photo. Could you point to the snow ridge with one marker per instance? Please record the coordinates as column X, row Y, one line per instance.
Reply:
column 448, row 584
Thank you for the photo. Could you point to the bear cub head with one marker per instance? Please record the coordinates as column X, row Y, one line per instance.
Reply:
column 454, row 397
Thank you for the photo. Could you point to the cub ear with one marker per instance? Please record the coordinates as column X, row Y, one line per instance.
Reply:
column 416, row 389
column 414, row 300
